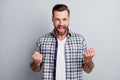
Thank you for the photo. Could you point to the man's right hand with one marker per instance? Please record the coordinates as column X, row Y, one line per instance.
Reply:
column 37, row 57
column 36, row 64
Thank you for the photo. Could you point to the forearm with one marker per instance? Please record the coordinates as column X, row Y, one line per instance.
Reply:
column 88, row 66
column 35, row 66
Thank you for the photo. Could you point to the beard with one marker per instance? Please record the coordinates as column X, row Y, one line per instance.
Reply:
column 61, row 33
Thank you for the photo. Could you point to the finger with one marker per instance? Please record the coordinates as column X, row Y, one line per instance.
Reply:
column 92, row 50
column 89, row 52
column 37, row 57
column 86, row 53
column 35, row 54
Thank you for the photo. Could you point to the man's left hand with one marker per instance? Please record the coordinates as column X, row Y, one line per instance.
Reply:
column 89, row 54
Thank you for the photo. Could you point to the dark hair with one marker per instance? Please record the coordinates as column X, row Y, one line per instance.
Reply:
column 60, row 7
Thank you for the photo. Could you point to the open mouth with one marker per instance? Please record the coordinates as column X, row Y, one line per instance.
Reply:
column 61, row 28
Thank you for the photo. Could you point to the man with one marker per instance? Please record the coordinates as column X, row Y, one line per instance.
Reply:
column 61, row 53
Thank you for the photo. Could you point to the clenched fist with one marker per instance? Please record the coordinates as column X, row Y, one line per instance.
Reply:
column 37, row 57
column 89, row 54
column 35, row 65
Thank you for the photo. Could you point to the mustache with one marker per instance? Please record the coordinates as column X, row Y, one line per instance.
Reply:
column 61, row 26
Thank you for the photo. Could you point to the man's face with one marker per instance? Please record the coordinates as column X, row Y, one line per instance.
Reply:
column 61, row 22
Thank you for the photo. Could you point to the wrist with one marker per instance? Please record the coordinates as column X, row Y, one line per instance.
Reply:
column 37, row 62
column 88, row 61
column 35, row 67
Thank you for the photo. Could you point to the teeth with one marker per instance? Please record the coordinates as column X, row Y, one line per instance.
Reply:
column 61, row 27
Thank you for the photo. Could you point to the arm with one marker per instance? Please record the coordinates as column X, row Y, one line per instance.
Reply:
column 37, row 62
column 88, row 64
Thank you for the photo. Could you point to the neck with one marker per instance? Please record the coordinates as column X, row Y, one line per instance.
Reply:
column 61, row 37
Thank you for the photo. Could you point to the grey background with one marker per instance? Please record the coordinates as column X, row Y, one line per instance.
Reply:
column 22, row 22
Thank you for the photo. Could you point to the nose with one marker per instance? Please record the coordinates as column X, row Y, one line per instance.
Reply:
column 61, row 22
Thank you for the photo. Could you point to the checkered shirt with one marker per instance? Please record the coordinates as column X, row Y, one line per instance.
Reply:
column 75, row 46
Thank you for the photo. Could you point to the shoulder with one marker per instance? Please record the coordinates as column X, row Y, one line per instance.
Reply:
column 46, row 36
column 77, row 36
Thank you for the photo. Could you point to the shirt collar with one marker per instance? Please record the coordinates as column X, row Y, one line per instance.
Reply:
column 70, row 33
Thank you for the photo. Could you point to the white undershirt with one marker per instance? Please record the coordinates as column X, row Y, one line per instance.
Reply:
column 60, row 65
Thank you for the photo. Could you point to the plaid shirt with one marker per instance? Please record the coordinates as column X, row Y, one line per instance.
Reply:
column 75, row 46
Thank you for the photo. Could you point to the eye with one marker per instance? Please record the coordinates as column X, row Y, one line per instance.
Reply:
column 56, row 19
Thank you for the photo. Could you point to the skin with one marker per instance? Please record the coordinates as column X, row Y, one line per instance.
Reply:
column 61, row 21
